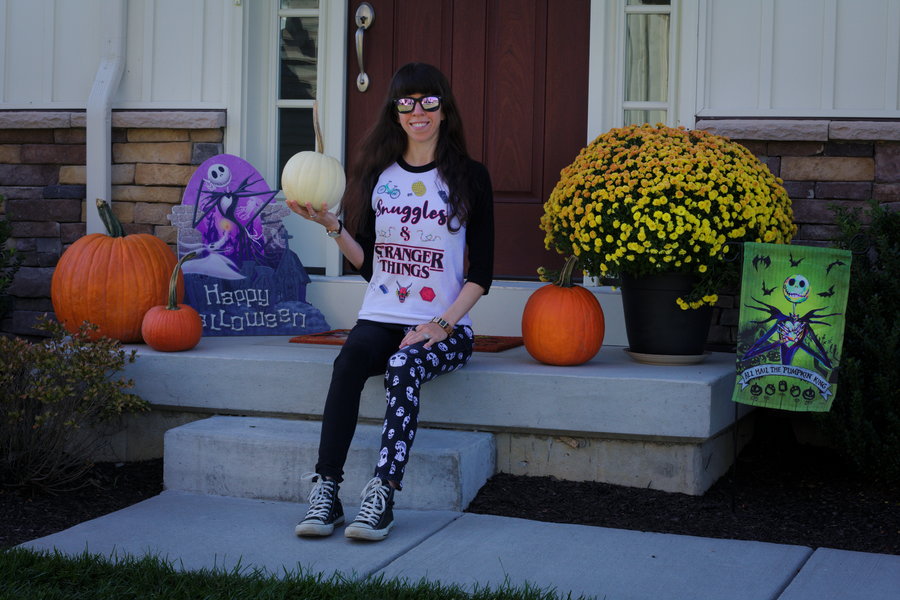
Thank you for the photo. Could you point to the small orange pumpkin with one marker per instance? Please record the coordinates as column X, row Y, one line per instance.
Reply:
column 111, row 280
column 562, row 323
column 173, row 327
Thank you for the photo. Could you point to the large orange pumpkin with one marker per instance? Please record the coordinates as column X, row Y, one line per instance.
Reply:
column 173, row 327
column 562, row 323
column 112, row 280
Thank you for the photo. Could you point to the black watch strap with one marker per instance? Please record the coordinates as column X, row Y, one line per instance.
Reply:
column 337, row 232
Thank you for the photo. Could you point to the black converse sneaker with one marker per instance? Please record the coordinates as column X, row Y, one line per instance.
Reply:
column 325, row 509
column 376, row 515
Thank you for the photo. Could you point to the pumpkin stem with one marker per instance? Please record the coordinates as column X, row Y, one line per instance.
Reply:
column 112, row 224
column 320, row 143
column 565, row 276
column 173, row 282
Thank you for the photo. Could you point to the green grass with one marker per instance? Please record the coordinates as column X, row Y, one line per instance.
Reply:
column 53, row 576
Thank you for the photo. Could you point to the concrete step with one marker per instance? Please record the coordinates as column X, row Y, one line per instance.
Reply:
column 264, row 458
column 609, row 395
column 611, row 419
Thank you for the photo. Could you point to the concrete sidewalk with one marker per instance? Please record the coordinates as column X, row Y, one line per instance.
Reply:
column 201, row 531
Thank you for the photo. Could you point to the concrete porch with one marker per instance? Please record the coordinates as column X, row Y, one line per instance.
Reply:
column 610, row 420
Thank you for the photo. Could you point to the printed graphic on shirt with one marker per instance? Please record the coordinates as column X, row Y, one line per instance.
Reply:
column 417, row 223
column 417, row 262
column 403, row 291
column 398, row 259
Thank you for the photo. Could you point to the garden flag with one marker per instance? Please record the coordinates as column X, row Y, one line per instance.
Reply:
column 791, row 326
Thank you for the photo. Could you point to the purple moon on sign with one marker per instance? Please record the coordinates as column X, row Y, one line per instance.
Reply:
column 228, row 196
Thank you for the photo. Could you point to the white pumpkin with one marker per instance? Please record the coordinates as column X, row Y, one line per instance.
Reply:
column 315, row 178
column 312, row 177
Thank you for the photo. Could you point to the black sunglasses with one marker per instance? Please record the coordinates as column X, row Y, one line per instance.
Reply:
column 407, row 104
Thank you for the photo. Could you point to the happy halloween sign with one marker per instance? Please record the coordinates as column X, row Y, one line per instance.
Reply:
column 246, row 280
column 791, row 326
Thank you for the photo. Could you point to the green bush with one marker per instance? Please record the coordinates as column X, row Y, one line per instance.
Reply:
column 9, row 265
column 53, row 395
column 864, row 422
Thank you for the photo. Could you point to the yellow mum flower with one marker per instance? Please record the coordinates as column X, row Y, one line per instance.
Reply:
column 697, row 191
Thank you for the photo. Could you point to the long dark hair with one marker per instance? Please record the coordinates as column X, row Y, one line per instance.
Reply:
column 386, row 141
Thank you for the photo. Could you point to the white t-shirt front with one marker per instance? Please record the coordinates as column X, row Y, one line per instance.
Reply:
column 417, row 267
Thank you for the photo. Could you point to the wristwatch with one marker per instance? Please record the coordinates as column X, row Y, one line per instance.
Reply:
column 443, row 325
column 335, row 233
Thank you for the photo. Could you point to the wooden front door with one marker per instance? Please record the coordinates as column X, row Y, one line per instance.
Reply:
column 519, row 70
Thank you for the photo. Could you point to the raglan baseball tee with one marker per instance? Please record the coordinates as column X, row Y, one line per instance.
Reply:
column 414, row 262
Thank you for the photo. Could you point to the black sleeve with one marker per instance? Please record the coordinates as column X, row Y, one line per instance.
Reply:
column 480, row 227
column 366, row 239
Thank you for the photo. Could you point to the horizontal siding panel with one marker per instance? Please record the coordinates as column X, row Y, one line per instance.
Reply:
column 216, row 43
column 175, row 57
column 174, row 52
column 733, row 53
column 798, row 51
column 25, row 59
column 829, row 58
column 861, row 53
column 73, row 71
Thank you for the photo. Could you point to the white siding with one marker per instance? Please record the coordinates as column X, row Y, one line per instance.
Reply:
column 180, row 53
column 799, row 43
column 832, row 58
column 733, row 49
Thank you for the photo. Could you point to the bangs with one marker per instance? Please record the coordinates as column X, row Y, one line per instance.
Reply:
column 417, row 78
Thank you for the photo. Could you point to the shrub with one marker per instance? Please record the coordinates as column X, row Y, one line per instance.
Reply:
column 9, row 265
column 53, row 395
column 864, row 422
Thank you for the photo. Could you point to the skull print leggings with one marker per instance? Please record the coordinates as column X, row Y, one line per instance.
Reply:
column 371, row 349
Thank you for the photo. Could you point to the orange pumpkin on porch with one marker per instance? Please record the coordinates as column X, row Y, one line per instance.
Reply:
column 173, row 327
column 111, row 280
column 562, row 323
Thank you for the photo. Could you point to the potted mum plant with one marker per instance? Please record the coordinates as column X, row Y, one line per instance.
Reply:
column 663, row 210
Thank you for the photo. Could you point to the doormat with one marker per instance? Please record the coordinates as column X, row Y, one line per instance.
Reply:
column 483, row 343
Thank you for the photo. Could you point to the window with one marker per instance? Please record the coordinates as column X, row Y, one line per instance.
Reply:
column 298, row 76
column 294, row 55
column 647, row 72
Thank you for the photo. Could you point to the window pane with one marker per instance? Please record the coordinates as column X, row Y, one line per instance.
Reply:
column 299, row 41
column 639, row 117
column 295, row 134
column 646, row 57
column 299, row 3
column 649, row 2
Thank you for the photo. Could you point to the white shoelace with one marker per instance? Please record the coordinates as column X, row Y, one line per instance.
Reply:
column 374, row 501
column 321, row 497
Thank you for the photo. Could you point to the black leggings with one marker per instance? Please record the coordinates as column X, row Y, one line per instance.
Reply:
column 372, row 349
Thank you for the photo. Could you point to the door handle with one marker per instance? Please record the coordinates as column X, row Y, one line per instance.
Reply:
column 365, row 15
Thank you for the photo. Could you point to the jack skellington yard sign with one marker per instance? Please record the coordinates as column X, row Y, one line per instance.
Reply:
column 245, row 280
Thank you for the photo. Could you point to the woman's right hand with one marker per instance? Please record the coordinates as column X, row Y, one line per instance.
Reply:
column 350, row 248
column 325, row 217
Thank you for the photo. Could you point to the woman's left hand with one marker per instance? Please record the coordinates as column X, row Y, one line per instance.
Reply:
column 430, row 333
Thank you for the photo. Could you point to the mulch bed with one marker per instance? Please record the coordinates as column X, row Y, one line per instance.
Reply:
column 798, row 500
column 781, row 492
column 30, row 514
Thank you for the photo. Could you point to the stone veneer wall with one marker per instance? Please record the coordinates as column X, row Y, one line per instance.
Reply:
column 42, row 177
column 823, row 163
